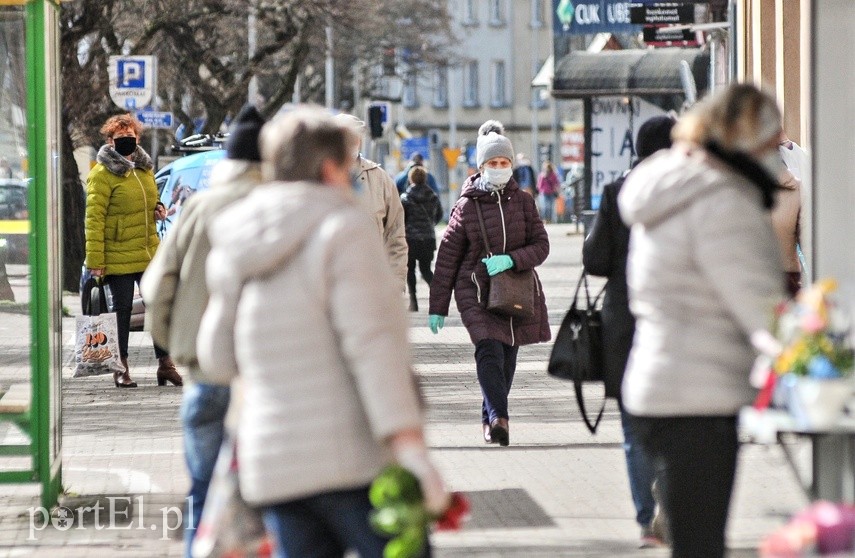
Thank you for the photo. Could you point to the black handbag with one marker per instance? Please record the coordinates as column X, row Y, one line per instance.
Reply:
column 577, row 354
column 512, row 293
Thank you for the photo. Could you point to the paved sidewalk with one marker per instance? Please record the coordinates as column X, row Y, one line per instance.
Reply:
column 555, row 492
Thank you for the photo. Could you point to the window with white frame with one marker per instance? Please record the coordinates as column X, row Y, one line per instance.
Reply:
column 497, row 12
column 498, row 78
column 470, row 84
column 470, row 12
column 409, row 96
column 440, row 86
column 537, row 20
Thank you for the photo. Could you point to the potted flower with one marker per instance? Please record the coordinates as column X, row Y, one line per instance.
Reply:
column 815, row 368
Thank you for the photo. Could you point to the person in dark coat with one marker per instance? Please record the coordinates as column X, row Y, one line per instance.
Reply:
column 422, row 211
column 604, row 253
column 520, row 242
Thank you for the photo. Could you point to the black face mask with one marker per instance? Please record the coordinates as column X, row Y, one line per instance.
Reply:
column 125, row 146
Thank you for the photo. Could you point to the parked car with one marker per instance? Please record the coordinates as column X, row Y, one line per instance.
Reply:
column 14, row 219
column 182, row 178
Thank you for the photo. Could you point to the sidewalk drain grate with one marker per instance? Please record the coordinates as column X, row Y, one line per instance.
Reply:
column 506, row 508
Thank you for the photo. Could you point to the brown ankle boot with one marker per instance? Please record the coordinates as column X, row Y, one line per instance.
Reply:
column 166, row 372
column 123, row 379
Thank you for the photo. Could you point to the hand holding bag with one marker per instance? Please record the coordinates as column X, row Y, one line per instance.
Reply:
column 229, row 527
column 577, row 354
column 96, row 348
column 512, row 293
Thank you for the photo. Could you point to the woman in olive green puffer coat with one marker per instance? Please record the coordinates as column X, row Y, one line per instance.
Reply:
column 121, row 236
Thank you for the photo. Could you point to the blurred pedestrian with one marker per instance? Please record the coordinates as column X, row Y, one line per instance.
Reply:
column 422, row 211
column 5, row 169
column 176, row 297
column 795, row 158
column 402, row 179
column 379, row 195
column 604, row 253
column 524, row 174
column 464, row 267
column 704, row 277
column 305, row 308
column 121, row 235
column 786, row 221
column 548, row 188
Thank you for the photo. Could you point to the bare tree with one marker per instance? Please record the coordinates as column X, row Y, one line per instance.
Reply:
column 204, row 69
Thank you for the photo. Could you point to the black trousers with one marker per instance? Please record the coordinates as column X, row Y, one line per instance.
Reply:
column 421, row 253
column 699, row 458
column 122, row 289
column 496, row 364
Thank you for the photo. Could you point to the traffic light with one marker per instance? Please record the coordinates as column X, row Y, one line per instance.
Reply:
column 375, row 121
column 389, row 62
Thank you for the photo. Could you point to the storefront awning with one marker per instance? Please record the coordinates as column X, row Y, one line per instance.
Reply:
column 628, row 72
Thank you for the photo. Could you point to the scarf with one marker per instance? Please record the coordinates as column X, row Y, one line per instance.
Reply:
column 746, row 166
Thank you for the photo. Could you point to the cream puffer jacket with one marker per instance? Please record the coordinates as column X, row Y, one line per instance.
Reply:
column 785, row 219
column 173, row 286
column 704, row 274
column 303, row 304
column 380, row 197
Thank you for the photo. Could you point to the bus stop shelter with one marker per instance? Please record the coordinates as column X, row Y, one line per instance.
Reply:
column 30, row 325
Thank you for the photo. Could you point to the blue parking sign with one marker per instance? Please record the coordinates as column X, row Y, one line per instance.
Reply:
column 131, row 74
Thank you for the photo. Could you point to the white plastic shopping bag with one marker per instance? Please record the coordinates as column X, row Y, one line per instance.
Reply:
column 96, row 346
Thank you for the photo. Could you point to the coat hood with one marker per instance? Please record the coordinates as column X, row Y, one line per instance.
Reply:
column 664, row 184
column 120, row 166
column 270, row 225
column 232, row 173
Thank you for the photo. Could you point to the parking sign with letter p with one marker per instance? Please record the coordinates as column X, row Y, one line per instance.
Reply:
column 131, row 80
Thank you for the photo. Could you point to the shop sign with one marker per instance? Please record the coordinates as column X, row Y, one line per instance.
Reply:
column 661, row 14
column 592, row 16
column 614, row 125
column 669, row 36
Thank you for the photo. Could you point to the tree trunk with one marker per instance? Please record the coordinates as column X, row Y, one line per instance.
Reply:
column 73, row 209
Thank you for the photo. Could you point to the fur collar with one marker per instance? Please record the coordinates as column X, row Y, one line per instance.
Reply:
column 120, row 166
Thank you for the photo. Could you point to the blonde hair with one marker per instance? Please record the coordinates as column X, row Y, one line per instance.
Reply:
column 739, row 118
column 294, row 145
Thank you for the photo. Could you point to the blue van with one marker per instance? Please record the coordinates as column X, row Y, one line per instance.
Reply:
column 182, row 178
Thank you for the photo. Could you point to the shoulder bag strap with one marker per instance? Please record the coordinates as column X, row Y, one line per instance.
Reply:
column 577, row 386
column 483, row 228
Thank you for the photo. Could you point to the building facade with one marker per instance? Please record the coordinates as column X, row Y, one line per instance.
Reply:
column 502, row 45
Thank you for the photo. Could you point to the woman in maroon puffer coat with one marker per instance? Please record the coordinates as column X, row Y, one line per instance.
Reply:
column 519, row 241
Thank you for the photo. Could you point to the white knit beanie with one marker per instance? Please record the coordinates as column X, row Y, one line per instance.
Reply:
column 493, row 145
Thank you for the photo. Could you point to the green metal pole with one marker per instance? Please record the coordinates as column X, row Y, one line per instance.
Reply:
column 40, row 61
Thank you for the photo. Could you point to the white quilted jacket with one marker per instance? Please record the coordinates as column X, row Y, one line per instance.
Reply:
column 704, row 274
column 304, row 305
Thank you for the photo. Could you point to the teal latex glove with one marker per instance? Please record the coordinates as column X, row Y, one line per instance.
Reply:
column 436, row 322
column 498, row 264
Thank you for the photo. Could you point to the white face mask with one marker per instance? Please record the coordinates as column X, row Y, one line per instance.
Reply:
column 772, row 163
column 498, row 177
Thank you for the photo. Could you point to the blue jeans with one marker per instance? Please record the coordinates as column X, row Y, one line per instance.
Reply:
column 496, row 364
column 641, row 472
column 203, row 414
column 547, row 206
column 324, row 526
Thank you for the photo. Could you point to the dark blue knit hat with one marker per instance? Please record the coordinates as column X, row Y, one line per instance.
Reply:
column 243, row 135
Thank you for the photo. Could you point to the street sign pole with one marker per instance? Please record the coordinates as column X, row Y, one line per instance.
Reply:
column 154, row 104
